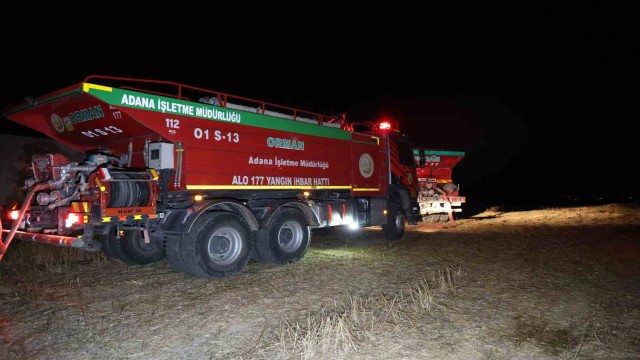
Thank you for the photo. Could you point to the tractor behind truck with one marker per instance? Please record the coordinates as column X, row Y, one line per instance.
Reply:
column 207, row 179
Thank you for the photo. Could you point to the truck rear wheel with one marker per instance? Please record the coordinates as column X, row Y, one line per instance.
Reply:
column 111, row 247
column 173, row 251
column 131, row 249
column 284, row 240
column 394, row 229
column 218, row 245
column 139, row 252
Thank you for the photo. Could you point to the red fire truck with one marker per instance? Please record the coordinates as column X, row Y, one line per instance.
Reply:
column 207, row 179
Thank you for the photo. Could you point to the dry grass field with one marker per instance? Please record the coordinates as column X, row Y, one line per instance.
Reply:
column 542, row 284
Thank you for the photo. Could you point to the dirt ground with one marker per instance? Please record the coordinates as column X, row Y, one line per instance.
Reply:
column 542, row 284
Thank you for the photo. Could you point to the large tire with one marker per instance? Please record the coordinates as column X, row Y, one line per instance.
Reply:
column 140, row 253
column 285, row 240
column 218, row 245
column 173, row 251
column 112, row 247
column 394, row 228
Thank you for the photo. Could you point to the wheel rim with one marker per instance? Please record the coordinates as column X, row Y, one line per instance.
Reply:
column 290, row 236
column 224, row 246
column 399, row 222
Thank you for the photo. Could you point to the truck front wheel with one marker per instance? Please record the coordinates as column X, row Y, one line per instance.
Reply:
column 218, row 245
column 284, row 240
column 394, row 229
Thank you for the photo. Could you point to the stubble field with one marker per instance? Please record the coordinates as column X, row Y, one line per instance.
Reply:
column 542, row 284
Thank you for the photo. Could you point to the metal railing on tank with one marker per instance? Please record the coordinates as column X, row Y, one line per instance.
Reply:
column 223, row 98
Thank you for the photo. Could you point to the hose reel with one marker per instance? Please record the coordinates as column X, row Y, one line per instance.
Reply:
column 128, row 190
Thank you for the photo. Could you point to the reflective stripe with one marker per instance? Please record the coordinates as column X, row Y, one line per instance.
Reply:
column 266, row 187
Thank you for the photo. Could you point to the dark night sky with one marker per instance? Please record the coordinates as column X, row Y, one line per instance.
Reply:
column 539, row 115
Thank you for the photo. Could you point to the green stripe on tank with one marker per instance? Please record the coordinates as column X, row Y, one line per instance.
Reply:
column 438, row 152
column 167, row 105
